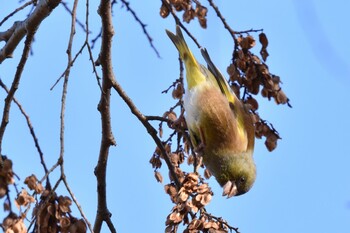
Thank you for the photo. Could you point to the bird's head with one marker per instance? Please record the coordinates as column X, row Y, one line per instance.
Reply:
column 239, row 176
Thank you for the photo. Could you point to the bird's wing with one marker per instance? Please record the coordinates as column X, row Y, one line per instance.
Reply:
column 219, row 78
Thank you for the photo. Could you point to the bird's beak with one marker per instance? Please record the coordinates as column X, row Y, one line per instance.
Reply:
column 230, row 189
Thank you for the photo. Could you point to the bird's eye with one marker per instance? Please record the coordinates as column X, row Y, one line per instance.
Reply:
column 242, row 179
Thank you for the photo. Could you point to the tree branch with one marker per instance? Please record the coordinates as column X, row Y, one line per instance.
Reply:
column 150, row 129
column 17, row 10
column 15, row 84
column 150, row 40
column 20, row 29
column 63, row 106
column 107, row 140
column 32, row 132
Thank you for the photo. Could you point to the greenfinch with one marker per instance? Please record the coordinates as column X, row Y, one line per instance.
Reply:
column 219, row 124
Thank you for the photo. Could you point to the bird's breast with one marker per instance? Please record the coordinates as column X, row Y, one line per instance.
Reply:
column 208, row 113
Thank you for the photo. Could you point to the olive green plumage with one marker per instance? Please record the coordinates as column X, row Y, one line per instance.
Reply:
column 219, row 125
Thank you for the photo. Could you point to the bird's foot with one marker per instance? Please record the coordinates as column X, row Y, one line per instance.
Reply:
column 179, row 123
column 200, row 149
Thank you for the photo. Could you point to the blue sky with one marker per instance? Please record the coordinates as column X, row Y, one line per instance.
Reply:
column 302, row 186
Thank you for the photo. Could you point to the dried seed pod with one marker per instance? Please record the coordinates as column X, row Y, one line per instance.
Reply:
column 164, row 11
column 158, row 177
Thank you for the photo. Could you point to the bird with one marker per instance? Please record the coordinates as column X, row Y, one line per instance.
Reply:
column 219, row 124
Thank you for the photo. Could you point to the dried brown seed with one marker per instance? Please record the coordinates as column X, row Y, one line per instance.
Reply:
column 3, row 188
column 236, row 89
column 171, row 191
column 32, row 183
column 160, row 131
column 271, row 142
column 188, row 15
column 158, row 177
column 255, row 117
column 175, row 217
column 64, row 203
column 253, row 103
column 164, row 11
column 265, row 92
column 264, row 54
column 195, row 224
column 182, row 196
column 247, row 42
column 231, row 70
column 190, row 159
column 78, row 227
column 201, row 11
column 203, row 22
column 178, row 91
column 156, row 162
column 263, row 40
column 207, row 174
column 172, row 116
column 23, row 199
column 281, row 97
column 64, row 222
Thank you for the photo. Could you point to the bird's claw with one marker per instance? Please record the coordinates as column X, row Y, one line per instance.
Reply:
column 200, row 149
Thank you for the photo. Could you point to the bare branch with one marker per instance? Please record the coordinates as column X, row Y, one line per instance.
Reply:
column 77, row 203
column 31, row 129
column 107, row 140
column 94, row 40
column 65, row 5
column 15, row 84
column 30, row 24
column 17, row 10
column 178, row 21
column 63, row 105
column 127, row 5
column 98, row 79
column 68, row 67
column 223, row 20
column 86, row 44
column 150, row 129
column 249, row 31
column 49, row 171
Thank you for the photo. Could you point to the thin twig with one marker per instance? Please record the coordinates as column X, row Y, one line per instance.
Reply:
column 220, row 220
column 94, row 70
column 15, row 85
column 17, row 10
column 77, row 204
column 150, row 40
column 178, row 21
column 223, row 20
column 65, row 83
column 86, row 44
column 32, row 132
column 68, row 67
column 49, row 171
column 98, row 79
column 41, row 11
column 65, row 5
column 62, row 115
column 158, row 118
column 94, row 40
column 150, row 129
column 229, row 29
column 249, row 31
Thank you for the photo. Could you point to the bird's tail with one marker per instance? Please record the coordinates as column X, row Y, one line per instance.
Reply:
column 181, row 45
